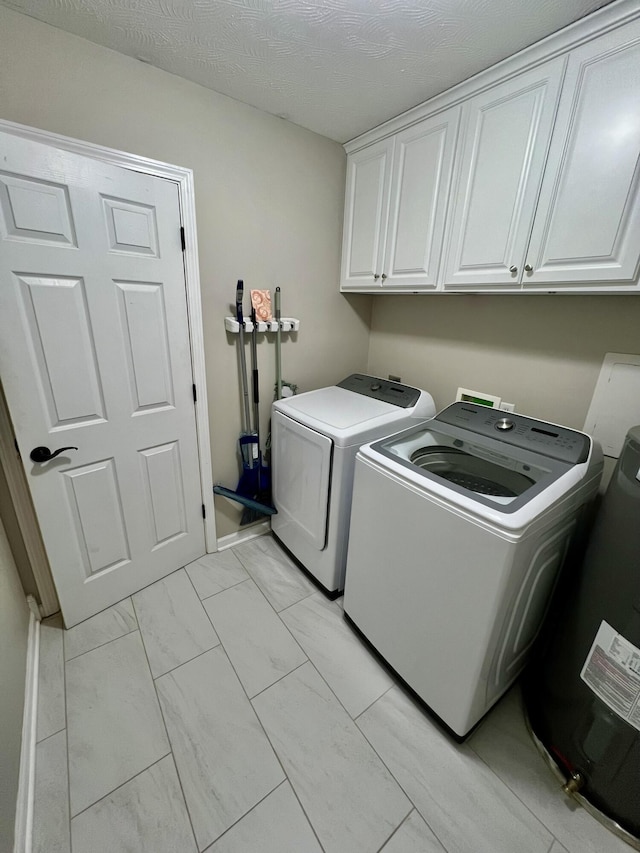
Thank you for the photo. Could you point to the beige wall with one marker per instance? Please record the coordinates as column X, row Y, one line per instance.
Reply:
column 14, row 624
column 269, row 201
column 269, row 205
column 542, row 353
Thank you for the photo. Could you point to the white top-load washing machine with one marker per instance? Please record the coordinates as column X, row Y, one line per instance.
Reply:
column 315, row 437
column 459, row 527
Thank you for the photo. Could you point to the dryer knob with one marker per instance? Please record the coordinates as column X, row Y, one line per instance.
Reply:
column 504, row 424
column 375, row 387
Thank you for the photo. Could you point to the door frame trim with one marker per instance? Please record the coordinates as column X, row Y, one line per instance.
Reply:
column 183, row 178
column 25, row 514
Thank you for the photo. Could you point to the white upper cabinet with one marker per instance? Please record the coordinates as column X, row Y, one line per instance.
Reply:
column 397, row 192
column 504, row 143
column 523, row 178
column 365, row 216
column 422, row 164
column 587, row 226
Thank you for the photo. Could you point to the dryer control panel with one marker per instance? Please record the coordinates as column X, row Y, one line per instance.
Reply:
column 567, row 445
column 381, row 389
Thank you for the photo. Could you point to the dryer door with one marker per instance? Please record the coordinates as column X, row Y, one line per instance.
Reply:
column 301, row 464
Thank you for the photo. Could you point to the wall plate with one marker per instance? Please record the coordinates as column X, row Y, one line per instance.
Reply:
column 466, row 395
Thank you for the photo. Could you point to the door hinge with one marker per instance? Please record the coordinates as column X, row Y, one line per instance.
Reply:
column 204, row 511
column 183, row 241
column 15, row 441
column 195, row 396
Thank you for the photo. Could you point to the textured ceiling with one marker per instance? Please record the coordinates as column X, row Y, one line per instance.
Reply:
column 338, row 67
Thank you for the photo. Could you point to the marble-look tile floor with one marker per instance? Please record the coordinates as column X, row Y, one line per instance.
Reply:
column 229, row 708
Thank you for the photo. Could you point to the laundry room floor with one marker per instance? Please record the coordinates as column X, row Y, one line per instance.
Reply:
column 229, row 708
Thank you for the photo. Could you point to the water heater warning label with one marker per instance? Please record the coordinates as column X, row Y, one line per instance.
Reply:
column 612, row 671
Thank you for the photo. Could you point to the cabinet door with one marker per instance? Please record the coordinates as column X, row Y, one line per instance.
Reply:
column 587, row 224
column 365, row 215
column 420, row 184
column 506, row 132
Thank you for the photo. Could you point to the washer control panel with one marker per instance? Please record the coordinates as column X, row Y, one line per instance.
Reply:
column 381, row 389
column 559, row 442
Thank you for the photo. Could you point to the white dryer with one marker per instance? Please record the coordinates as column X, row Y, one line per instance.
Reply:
column 315, row 437
column 458, row 530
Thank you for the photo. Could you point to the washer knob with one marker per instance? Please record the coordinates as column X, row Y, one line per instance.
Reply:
column 504, row 424
column 375, row 387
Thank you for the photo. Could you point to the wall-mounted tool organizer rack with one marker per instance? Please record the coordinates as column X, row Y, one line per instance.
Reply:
column 287, row 324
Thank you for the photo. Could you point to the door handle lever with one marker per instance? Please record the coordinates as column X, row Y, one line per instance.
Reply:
column 43, row 454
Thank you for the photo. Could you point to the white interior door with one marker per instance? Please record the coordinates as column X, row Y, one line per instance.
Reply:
column 95, row 355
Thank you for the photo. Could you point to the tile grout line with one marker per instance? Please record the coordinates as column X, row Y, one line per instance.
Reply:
column 396, row 830
column 266, row 734
column 335, row 695
column 121, row 785
column 273, row 684
column 221, row 645
column 316, row 592
column 276, row 559
column 303, row 810
column 309, row 661
column 166, row 731
column 352, row 719
column 412, row 804
column 514, row 793
column 199, row 601
column 273, row 749
column 393, row 776
column 63, row 729
column 364, row 711
column 101, row 645
column 285, row 626
column 285, row 781
column 184, row 662
column 206, row 613
column 213, row 594
column 242, row 817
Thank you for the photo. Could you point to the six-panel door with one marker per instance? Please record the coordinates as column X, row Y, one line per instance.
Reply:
column 95, row 355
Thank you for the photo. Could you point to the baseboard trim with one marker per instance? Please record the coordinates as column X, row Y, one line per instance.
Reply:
column 23, row 831
column 245, row 535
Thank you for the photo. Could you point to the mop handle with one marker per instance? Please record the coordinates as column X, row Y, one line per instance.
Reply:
column 243, row 361
column 254, row 375
column 278, row 341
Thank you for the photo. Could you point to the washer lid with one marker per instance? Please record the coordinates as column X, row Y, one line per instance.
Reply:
column 341, row 414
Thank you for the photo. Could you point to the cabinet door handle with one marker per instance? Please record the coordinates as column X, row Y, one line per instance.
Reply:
column 513, row 269
column 376, row 277
column 528, row 268
column 384, row 275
